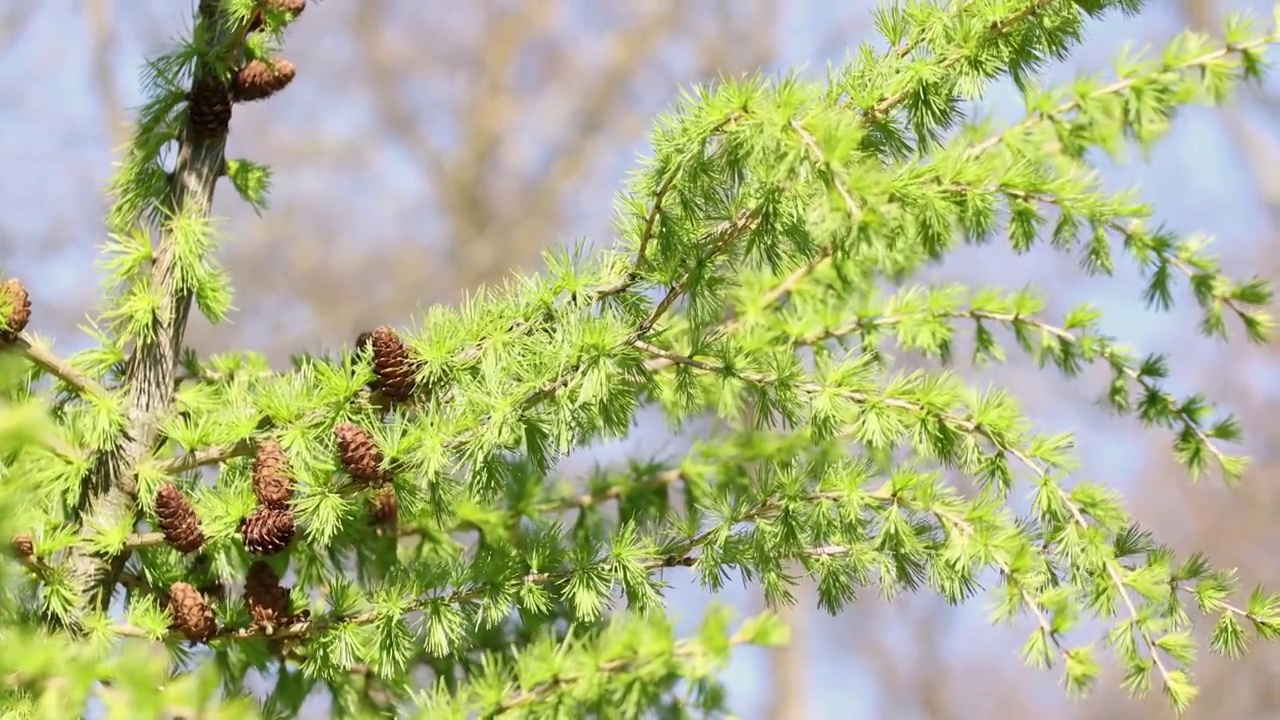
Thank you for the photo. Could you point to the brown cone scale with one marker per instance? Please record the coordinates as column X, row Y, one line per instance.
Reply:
column 272, row 481
column 360, row 455
column 192, row 616
column 178, row 520
column 209, row 107
column 292, row 8
column 264, row 598
column 392, row 364
column 261, row 79
column 16, row 299
column 268, row 530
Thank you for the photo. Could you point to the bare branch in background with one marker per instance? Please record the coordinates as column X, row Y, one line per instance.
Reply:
column 100, row 22
column 13, row 19
column 789, row 681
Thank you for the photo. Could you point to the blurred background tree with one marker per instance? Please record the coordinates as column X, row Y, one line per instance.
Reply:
column 428, row 148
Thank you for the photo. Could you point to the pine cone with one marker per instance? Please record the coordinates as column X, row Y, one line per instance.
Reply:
column 268, row 530
column 24, row 546
column 266, row 600
column 209, row 107
column 14, row 296
column 178, row 520
column 392, row 364
column 292, row 8
column 272, row 482
column 360, row 455
column 192, row 616
column 383, row 508
column 260, row 79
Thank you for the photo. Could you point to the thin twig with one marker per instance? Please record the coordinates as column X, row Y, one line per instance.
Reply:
column 994, row 31
column 40, row 355
column 1106, row 353
column 1115, row 87
column 137, row 541
column 1113, row 569
column 651, row 219
column 525, row 697
column 206, row 456
column 728, row 235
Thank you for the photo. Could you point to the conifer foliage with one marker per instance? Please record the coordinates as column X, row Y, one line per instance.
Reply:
column 762, row 275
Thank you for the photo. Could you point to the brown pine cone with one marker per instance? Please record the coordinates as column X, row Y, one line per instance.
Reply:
column 14, row 296
column 272, row 481
column 266, row 601
column 292, row 8
column 268, row 530
column 178, row 520
column 209, row 107
column 392, row 364
column 360, row 455
column 260, row 79
column 383, row 508
column 24, row 546
column 192, row 616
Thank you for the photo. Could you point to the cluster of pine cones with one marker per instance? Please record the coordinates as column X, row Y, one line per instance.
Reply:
column 211, row 98
column 267, row 531
column 264, row 597
column 270, row 528
column 363, row 461
column 396, row 379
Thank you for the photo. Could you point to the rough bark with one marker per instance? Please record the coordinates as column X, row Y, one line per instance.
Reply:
column 108, row 497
